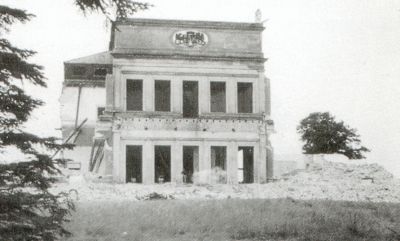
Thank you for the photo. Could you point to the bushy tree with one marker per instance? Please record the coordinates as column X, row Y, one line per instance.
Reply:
column 323, row 134
column 28, row 211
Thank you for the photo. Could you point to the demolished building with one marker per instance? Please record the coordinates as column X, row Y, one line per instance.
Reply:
column 169, row 100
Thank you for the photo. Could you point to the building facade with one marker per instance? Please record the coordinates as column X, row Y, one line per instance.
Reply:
column 171, row 101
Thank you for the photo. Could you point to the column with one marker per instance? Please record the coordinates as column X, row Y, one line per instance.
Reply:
column 261, row 93
column 257, row 163
column 117, row 160
column 176, row 162
column 267, row 96
column 176, row 95
column 232, row 163
column 231, row 96
column 109, row 92
column 119, row 92
column 204, row 96
column 256, row 90
column 148, row 94
column 148, row 162
column 270, row 160
column 262, row 170
column 204, row 163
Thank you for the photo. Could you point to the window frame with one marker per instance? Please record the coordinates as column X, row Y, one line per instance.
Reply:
column 211, row 96
column 251, row 101
column 126, row 94
column 169, row 95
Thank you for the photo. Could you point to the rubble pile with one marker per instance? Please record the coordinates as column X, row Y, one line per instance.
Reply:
column 340, row 181
column 326, row 180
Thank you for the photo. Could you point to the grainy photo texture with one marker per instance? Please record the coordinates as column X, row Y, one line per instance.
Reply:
column 199, row 120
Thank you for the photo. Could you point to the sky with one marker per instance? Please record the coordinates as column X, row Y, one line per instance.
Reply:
column 341, row 56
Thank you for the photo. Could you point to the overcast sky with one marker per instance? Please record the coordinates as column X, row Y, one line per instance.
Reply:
column 341, row 56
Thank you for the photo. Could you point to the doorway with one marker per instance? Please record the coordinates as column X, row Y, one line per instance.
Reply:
column 190, row 99
column 190, row 163
column 246, row 164
column 162, row 158
column 134, row 164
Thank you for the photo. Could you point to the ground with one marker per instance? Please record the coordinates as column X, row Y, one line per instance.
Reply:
column 235, row 219
column 328, row 201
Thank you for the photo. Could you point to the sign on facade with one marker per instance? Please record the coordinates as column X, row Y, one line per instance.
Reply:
column 190, row 38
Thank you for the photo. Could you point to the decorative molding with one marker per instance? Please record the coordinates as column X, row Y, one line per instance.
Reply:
column 172, row 73
column 182, row 56
column 192, row 24
column 85, row 83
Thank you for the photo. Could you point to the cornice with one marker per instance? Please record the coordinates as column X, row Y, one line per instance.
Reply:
column 192, row 24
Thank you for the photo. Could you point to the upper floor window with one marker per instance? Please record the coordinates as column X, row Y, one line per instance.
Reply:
column 162, row 96
column 190, row 99
column 245, row 97
column 100, row 72
column 78, row 71
column 100, row 111
column 134, row 94
column 218, row 97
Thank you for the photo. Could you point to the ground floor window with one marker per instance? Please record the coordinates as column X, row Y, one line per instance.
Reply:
column 190, row 163
column 134, row 164
column 162, row 158
column 246, row 164
column 218, row 163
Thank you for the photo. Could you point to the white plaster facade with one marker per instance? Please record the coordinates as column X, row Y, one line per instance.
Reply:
column 143, row 50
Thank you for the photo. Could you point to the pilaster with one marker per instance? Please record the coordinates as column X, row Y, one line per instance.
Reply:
column 176, row 162
column 232, row 163
column 231, row 96
column 148, row 162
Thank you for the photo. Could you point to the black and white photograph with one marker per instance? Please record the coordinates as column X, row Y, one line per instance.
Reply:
column 207, row 120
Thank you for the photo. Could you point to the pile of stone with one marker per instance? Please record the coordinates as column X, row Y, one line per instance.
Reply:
column 340, row 181
column 325, row 180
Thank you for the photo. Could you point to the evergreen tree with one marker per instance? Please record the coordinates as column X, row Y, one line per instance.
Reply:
column 28, row 211
column 322, row 134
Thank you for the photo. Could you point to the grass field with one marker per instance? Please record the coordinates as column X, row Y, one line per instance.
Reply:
column 279, row 219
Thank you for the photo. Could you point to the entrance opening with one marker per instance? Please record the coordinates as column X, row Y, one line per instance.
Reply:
column 190, row 99
column 162, row 156
column 246, row 164
column 218, row 163
column 134, row 164
column 190, row 163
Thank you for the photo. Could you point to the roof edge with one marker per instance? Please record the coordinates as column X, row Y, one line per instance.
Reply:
column 192, row 23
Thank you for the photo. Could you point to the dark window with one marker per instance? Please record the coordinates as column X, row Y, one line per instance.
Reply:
column 162, row 159
column 78, row 71
column 100, row 72
column 218, row 98
column 190, row 99
column 190, row 162
column 162, row 95
column 218, row 157
column 245, row 97
column 134, row 164
column 100, row 111
column 246, row 167
column 134, row 94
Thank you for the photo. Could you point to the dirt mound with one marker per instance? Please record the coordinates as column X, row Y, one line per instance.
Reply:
column 332, row 171
column 340, row 181
column 327, row 180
